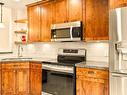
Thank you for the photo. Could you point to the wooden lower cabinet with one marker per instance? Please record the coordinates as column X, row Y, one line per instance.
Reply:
column 19, row 79
column 8, row 82
column 90, row 83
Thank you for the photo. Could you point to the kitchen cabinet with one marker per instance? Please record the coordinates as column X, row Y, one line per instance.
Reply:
column 18, row 78
column 96, row 20
column 8, row 82
column 34, row 23
column 91, row 82
column 67, row 11
column 60, row 11
column 41, row 16
column 93, row 13
column 0, row 80
column 46, row 21
column 75, row 10
column 117, row 3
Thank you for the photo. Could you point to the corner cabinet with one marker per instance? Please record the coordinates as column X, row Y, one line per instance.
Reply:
column 21, row 78
column 92, row 82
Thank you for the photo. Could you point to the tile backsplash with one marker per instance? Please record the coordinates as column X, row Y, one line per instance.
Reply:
column 95, row 51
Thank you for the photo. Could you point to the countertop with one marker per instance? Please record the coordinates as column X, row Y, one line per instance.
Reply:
column 93, row 64
column 40, row 60
column 87, row 64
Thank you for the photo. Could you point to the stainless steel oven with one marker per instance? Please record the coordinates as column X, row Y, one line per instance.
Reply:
column 59, row 74
column 71, row 31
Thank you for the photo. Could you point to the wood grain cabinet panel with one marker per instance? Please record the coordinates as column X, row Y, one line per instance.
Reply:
column 8, row 82
column 21, row 78
column 46, row 21
column 90, row 83
column 96, row 20
column 117, row 3
column 35, row 82
column 60, row 9
column 0, row 81
column 22, row 81
column 34, row 23
column 75, row 10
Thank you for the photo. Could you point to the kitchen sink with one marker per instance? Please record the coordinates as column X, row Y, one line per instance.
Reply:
column 15, row 59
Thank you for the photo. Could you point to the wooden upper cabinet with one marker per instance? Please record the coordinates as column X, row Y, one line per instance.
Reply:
column 88, row 20
column 96, row 20
column 60, row 11
column 46, row 21
column 34, row 23
column 117, row 3
column 75, row 10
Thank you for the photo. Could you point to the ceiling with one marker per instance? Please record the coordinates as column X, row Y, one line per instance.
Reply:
column 18, row 4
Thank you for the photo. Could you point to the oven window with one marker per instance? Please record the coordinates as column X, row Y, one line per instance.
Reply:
column 58, row 84
column 63, row 33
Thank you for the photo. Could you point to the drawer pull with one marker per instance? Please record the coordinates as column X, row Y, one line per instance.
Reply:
column 15, row 65
column 91, row 72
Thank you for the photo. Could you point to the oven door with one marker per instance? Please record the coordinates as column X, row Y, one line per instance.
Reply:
column 58, row 83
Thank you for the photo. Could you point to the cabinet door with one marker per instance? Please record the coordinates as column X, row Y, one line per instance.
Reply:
column 101, row 20
column 22, row 81
column 0, row 80
column 116, row 3
column 96, row 19
column 91, row 86
column 89, row 19
column 75, row 10
column 36, row 79
column 60, row 11
column 46, row 21
column 8, row 82
column 34, row 23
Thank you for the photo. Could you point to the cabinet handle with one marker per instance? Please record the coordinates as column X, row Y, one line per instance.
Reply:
column 15, row 65
column 91, row 72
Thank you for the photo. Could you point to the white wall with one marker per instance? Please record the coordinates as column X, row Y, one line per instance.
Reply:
column 5, row 32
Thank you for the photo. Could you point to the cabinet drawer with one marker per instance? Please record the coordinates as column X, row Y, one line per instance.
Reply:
column 15, row 65
column 94, row 73
column 35, row 65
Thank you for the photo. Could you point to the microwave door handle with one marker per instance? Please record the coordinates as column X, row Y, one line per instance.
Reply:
column 71, row 32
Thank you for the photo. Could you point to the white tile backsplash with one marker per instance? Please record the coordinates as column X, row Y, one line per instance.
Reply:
column 95, row 51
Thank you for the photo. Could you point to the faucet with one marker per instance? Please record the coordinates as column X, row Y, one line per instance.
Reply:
column 20, row 50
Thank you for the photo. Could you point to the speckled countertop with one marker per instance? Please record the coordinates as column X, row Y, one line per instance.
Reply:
column 93, row 64
column 6, row 60
column 87, row 64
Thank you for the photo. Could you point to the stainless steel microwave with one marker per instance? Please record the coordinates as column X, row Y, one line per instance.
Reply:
column 71, row 31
